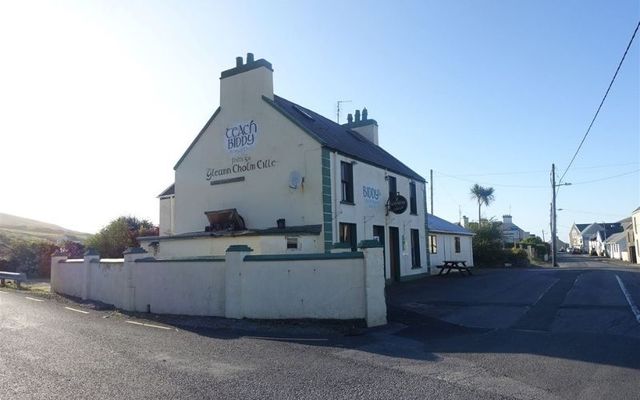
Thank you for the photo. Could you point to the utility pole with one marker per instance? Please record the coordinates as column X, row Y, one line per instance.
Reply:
column 553, row 216
column 431, row 188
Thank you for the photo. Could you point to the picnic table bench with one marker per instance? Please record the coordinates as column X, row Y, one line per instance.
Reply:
column 454, row 264
column 17, row 277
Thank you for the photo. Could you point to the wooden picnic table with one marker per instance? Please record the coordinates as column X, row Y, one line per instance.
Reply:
column 448, row 265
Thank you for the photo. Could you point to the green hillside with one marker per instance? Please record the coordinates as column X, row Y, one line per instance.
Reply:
column 13, row 227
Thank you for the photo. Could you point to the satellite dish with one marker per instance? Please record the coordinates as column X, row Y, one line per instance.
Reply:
column 295, row 179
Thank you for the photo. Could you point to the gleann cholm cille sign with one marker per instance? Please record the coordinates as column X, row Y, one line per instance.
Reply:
column 397, row 204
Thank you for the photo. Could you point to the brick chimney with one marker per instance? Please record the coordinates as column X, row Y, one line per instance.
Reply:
column 363, row 125
column 246, row 82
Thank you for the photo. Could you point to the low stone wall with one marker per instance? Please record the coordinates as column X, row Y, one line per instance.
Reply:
column 238, row 285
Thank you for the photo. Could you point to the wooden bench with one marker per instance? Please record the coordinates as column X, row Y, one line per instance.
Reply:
column 17, row 277
column 454, row 264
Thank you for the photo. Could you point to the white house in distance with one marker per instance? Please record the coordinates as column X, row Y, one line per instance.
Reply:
column 633, row 236
column 280, row 178
column 511, row 233
column 448, row 241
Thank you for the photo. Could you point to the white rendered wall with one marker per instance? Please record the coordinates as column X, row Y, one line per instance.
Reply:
column 303, row 289
column 167, row 215
column 446, row 249
column 69, row 277
column 217, row 246
column 108, row 282
column 366, row 213
column 346, row 286
column 188, row 287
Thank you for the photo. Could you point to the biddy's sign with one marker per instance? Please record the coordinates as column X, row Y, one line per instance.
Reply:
column 240, row 137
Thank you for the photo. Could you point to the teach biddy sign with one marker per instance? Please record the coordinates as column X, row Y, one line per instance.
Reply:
column 240, row 137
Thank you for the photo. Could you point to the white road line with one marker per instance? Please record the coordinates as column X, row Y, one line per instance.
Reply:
column 3, row 292
column 32, row 299
column 634, row 308
column 545, row 292
column 79, row 311
column 149, row 325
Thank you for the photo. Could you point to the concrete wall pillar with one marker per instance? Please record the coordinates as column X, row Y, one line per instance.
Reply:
column 91, row 256
column 233, row 280
column 375, row 302
column 56, row 258
column 131, row 254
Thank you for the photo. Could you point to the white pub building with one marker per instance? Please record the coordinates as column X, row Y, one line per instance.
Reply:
column 273, row 175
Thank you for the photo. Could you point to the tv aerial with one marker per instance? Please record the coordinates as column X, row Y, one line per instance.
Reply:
column 338, row 108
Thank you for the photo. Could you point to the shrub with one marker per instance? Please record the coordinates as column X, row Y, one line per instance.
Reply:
column 541, row 250
column 487, row 245
column 119, row 234
column 31, row 257
column 518, row 257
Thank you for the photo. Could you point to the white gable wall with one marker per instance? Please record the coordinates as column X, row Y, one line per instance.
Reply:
column 264, row 196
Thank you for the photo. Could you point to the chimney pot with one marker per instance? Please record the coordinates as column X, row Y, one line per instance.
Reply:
column 249, row 58
column 238, row 61
column 350, row 118
column 365, row 114
column 357, row 115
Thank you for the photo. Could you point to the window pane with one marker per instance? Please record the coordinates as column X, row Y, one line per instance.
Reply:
column 393, row 187
column 412, row 198
column 348, row 235
column 433, row 244
column 457, row 239
column 346, row 173
column 292, row 243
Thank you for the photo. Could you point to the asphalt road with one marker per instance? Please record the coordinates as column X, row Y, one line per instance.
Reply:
column 543, row 333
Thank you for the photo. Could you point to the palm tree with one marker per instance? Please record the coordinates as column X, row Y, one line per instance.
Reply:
column 483, row 195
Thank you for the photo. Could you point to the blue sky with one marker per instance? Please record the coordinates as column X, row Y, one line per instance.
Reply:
column 102, row 98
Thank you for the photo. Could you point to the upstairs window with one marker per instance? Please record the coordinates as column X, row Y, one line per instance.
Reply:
column 393, row 186
column 413, row 203
column 346, row 172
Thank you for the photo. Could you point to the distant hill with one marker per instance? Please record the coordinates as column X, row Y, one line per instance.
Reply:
column 13, row 227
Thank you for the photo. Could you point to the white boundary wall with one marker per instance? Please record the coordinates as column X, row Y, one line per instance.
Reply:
column 238, row 285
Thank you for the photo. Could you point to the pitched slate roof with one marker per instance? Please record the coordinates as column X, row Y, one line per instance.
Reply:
column 439, row 225
column 581, row 226
column 605, row 230
column 340, row 138
column 619, row 237
column 168, row 191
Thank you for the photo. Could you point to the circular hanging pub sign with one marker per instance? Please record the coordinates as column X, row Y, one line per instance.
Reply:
column 397, row 204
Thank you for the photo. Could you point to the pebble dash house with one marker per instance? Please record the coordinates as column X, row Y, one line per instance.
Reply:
column 273, row 175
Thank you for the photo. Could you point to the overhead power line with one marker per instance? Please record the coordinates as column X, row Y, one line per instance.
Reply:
column 607, row 178
column 601, row 103
column 490, row 184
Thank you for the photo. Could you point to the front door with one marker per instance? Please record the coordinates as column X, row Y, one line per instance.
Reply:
column 394, row 253
column 378, row 233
